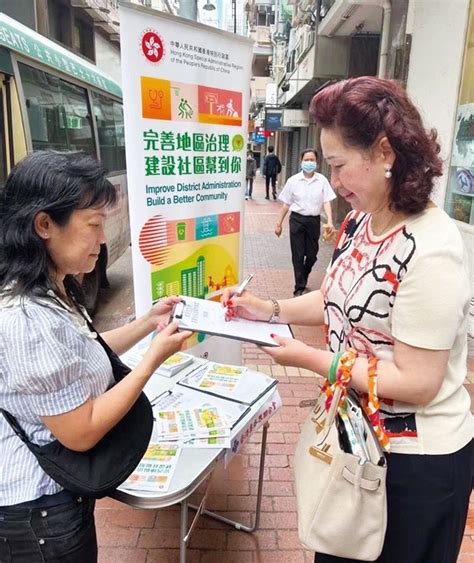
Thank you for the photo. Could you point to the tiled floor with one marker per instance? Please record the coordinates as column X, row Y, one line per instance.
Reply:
column 127, row 535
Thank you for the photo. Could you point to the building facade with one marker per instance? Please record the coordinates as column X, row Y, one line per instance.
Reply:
column 428, row 46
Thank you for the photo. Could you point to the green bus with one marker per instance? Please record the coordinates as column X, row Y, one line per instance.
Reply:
column 51, row 98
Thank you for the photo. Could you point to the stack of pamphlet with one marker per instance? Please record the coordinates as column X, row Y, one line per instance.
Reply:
column 174, row 364
column 168, row 368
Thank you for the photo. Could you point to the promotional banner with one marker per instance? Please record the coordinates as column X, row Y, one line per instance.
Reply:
column 186, row 95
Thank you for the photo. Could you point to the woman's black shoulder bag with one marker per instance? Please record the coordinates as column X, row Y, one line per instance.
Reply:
column 99, row 471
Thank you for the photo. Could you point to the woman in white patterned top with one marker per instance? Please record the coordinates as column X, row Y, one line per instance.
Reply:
column 54, row 375
column 397, row 290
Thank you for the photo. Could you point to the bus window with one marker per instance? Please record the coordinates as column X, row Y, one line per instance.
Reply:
column 58, row 112
column 109, row 119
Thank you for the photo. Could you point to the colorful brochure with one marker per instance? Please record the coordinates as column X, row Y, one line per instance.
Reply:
column 180, row 398
column 221, row 377
column 155, row 470
column 201, row 421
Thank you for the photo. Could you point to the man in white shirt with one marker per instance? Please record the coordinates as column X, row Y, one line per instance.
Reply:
column 305, row 194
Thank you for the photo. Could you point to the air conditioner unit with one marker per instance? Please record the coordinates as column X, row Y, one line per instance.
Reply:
column 339, row 13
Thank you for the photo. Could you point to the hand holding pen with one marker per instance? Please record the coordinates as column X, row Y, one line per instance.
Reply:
column 228, row 302
column 239, row 302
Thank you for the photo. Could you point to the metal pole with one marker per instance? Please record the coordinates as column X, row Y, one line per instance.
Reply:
column 234, row 13
column 183, row 531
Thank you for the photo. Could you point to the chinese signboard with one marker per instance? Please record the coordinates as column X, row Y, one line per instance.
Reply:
column 186, row 102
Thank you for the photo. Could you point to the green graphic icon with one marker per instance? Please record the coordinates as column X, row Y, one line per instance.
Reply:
column 181, row 231
column 237, row 142
column 185, row 111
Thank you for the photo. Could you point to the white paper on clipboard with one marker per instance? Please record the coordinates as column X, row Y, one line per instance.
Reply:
column 201, row 315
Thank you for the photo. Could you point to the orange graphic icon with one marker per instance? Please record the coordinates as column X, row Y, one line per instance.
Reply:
column 156, row 98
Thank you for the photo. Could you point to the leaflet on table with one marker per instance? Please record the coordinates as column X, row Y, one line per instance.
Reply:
column 181, row 397
column 155, row 470
column 203, row 315
column 200, row 421
column 231, row 382
column 175, row 364
column 168, row 368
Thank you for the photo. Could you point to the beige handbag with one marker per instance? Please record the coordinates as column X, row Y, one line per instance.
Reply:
column 341, row 501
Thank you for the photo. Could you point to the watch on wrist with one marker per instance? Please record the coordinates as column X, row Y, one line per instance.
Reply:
column 275, row 318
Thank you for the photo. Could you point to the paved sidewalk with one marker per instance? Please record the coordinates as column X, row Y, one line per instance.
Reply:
column 127, row 535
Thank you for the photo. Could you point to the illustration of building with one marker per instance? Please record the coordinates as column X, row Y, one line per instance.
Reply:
column 172, row 288
column 192, row 279
column 160, row 289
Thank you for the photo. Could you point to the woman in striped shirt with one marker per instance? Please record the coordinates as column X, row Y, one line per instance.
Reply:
column 54, row 375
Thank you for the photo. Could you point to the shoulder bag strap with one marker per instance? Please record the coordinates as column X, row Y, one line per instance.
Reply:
column 13, row 422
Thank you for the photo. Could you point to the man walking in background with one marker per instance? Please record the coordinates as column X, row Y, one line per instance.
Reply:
column 305, row 195
column 271, row 167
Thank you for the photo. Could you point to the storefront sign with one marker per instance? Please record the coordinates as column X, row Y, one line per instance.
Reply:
column 272, row 120
column 186, row 90
column 295, row 118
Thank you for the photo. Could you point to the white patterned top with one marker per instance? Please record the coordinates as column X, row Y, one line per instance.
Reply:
column 410, row 284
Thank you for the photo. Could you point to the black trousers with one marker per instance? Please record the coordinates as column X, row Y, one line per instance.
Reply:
column 273, row 179
column 64, row 533
column 304, row 241
column 428, row 501
column 249, row 189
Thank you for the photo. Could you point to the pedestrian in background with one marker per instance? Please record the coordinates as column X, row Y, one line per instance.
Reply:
column 55, row 376
column 271, row 169
column 305, row 195
column 396, row 298
column 251, row 172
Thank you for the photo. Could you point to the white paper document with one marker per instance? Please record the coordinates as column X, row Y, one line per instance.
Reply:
column 201, row 315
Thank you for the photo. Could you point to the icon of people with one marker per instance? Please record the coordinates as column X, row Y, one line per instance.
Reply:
column 230, row 111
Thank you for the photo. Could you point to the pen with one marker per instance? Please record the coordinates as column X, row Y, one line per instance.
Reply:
column 243, row 285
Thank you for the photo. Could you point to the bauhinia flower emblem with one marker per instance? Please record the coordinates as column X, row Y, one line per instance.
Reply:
column 152, row 46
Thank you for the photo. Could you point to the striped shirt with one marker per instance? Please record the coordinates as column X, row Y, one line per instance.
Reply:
column 50, row 363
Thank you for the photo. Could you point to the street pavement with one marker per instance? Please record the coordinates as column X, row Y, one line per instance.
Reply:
column 129, row 535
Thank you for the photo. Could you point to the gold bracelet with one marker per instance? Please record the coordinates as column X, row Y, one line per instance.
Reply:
column 275, row 318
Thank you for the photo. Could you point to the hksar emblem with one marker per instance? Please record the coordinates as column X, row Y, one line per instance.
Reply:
column 152, row 46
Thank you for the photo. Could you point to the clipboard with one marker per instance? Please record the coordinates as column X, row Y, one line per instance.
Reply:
column 203, row 315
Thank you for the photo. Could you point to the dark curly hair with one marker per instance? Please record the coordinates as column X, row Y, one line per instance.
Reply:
column 57, row 183
column 365, row 108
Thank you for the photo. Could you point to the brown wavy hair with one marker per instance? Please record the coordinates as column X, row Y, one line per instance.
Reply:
column 365, row 108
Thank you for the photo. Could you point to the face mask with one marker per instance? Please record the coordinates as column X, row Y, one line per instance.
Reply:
column 308, row 166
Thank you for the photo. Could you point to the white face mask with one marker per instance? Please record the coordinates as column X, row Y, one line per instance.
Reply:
column 308, row 166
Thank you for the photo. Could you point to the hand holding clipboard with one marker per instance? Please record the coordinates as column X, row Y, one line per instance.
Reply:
column 201, row 315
